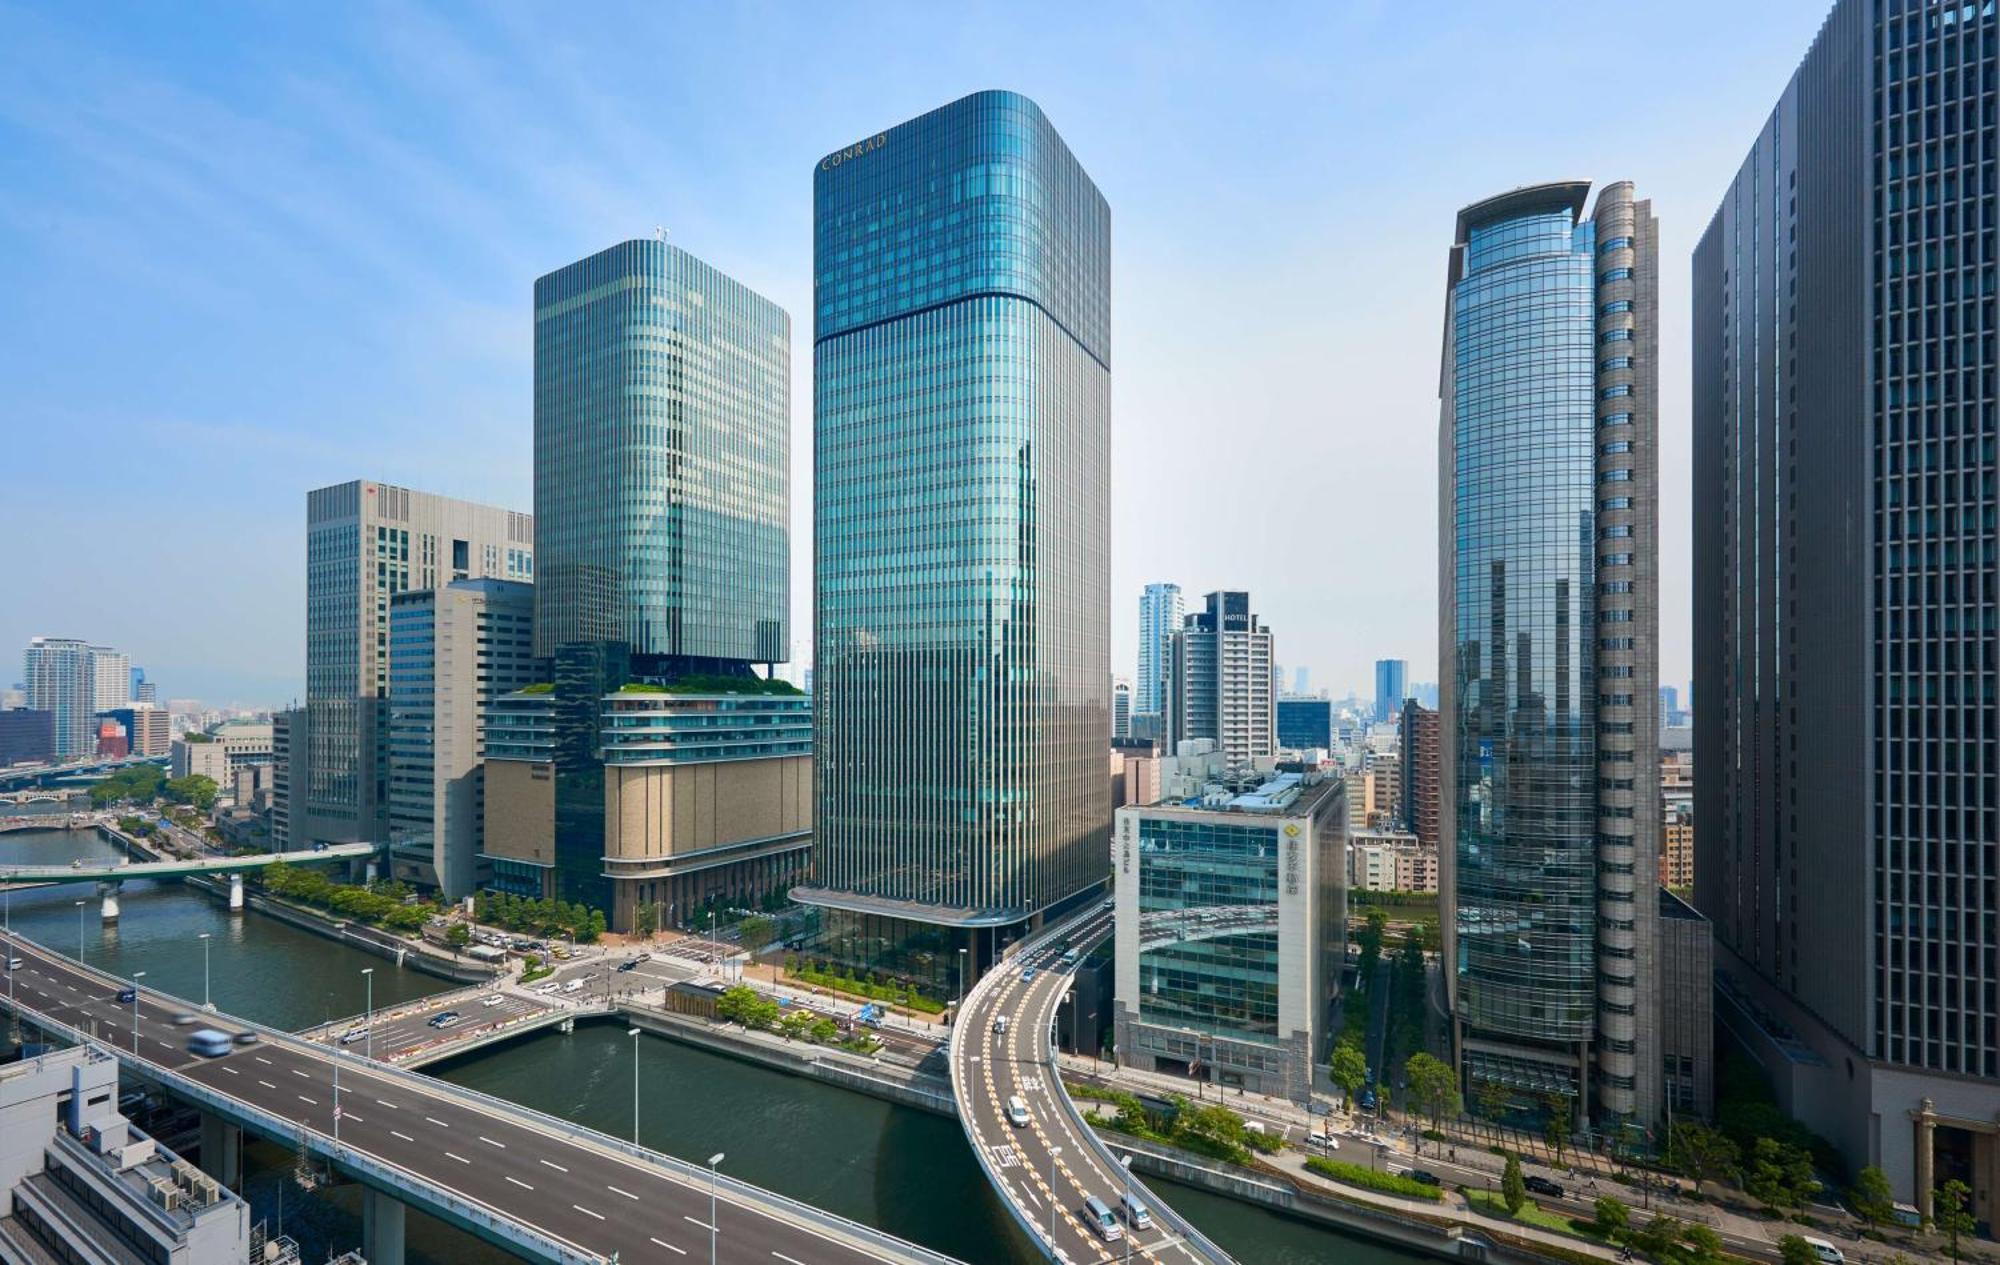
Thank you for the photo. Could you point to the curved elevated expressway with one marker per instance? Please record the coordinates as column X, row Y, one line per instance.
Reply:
column 1044, row 1170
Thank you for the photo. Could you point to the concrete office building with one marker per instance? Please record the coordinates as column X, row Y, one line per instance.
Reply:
column 1385, row 859
column 1220, row 682
column 27, row 736
column 452, row 651
column 961, row 373
column 1231, row 933
column 662, row 504
column 1418, row 805
column 1844, row 622
column 80, row 1183
column 288, row 754
column 1392, row 678
column 365, row 543
column 149, row 729
column 1121, row 709
column 198, row 755
column 1548, row 715
column 1160, row 613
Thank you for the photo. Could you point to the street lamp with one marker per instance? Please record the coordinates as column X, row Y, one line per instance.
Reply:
column 368, row 1033
column 1125, row 1162
column 206, row 1004
column 136, row 977
column 961, row 983
column 713, row 1160
column 79, row 929
column 634, row 1034
column 1053, row 1152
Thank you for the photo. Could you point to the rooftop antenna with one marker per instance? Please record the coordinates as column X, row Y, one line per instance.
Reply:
column 659, row 232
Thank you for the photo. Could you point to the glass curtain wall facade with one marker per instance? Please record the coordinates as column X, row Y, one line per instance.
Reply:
column 962, row 525
column 1392, row 678
column 1846, row 494
column 1160, row 613
column 1546, row 446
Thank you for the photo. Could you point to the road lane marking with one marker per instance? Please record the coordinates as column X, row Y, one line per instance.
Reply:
column 703, row 1224
column 406, row 1137
column 587, row 1212
column 267, row 1084
column 552, row 1164
column 781, row 1256
column 670, row 1247
column 348, row 1115
column 439, row 1123
column 261, row 1059
column 313, row 1101
column 518, row 1182
column 614, row 1190
column 490, row 1142
column 296, row 1072
column 232, row 1071
column 460, row 1158
column 379, row 1103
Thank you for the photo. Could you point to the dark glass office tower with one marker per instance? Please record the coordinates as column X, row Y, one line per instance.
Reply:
column 1846, row 833
column 961, row 398
column 662, row 400
column 1548, row 829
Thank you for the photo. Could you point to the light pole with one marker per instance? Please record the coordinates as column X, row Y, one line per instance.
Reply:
column 1053, row 1152
column 961, row 984
column 713, row 1160
column 634, row 1034
column 206, row 1004
column 1125, row 1162
column 79, row 929
column 136, row 977
column 368, row 1033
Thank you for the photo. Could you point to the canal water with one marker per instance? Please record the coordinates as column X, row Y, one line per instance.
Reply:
column 905, row 1171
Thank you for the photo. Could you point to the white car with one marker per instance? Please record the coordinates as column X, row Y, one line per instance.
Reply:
column 493, row 999
column 1017, row 1112
column 549, row 988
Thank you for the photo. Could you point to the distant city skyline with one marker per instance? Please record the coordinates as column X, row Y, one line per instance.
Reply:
column 453, row 162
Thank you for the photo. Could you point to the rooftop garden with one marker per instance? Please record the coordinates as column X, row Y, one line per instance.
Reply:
column 715, row 685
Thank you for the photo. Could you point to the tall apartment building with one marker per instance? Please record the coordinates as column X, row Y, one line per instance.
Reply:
column 662, row 510
column 75, row 681
column 1548, row 713
column 1392, row 680
column 27, row 736
column 1220, row 682
column 365, row 543
column 1121, row 709
column 1418, row 805
column 1160, row 614
column 961, row 374
column 452, row 652
column 1845, row 494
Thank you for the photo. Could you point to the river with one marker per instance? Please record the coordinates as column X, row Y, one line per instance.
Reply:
column 903, row 1170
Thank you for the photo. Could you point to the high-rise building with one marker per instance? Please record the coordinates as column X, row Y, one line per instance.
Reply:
column 74, row 680
column 452, row 651
column 662, row 510
column 1392, row 678
column 27, row 736
column 1844, row 628
column 961, row 403
column 1220, row 682
column 1121, row 709
column 1419, row 805
column 149, row 729
column 1302, row 682
column 1160, row 614
column 365, row 543
column 1548, row 719
column 288, row 752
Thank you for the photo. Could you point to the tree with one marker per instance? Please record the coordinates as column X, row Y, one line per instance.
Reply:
column 1871, row 1196
column 1705, row 1244
column 796, row 1024
column 1348, row 1068
column 1433, row 1085
column 1555, row 1130
column 1513, row 1187
column 646, row 918
column 1657, row 1237
column 1492, row 1098
column 196, row 789
column 748, row 1007
column 458, row 935
column 755, row 932
column 1779, row 1174
column 1793, row 1250
column 1949, row 1209
column 1613, row 1218
column 1700, row 1152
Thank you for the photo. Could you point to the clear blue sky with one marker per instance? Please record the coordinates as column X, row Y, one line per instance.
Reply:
column 253, row 250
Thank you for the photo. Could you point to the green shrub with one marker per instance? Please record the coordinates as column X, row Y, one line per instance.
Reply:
column 1368, row 1179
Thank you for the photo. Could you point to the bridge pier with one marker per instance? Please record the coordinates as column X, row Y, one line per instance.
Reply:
column 381, row 1228
column 235, row 893
column 109, row 892
column 222, row 1150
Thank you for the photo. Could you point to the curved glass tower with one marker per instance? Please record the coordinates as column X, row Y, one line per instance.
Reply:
column 962, row 391
column 1548, row 618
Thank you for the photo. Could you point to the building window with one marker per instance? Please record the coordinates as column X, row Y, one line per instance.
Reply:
column 1614, row 274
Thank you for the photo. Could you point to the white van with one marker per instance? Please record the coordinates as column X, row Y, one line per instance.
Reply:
column 1098, row 1217
column 1017, row 1112
column 1826, row 1251
column 1135, row 1212
column 574, row 986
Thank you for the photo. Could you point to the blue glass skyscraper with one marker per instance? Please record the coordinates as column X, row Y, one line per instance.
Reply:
column 1548, row 630
column 961, row 394
column 1392, row 678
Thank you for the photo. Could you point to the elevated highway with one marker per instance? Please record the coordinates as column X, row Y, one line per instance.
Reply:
column 537, row 1186
column 1046, row 1168
column 122, row 871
